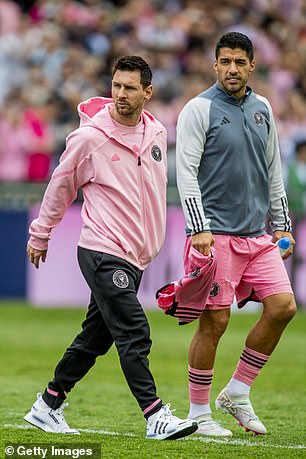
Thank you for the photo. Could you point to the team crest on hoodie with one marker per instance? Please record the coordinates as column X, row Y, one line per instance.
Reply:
column 156, row 153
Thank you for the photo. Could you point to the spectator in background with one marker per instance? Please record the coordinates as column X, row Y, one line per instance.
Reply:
column 27, row 139
column 10, row 16
column 38, row 118
column 16, row 141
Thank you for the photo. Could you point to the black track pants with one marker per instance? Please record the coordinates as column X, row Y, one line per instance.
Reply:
column 114, row 315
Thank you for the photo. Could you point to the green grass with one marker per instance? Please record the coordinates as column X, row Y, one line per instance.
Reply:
column 33, row 340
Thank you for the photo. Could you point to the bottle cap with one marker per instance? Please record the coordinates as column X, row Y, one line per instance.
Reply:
column 284, row 243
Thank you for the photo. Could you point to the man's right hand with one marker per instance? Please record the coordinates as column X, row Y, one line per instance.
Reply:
column 202, row 242
column 36, row 255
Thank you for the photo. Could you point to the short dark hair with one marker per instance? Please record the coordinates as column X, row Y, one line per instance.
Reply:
column 132, row 64
column 300, row 145
column 235, row 40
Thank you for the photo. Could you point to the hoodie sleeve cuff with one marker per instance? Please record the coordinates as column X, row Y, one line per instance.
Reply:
column 37, row 243
column 39, row 235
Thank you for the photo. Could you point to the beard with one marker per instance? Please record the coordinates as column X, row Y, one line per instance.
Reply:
column 234, row 88
column 123, row 109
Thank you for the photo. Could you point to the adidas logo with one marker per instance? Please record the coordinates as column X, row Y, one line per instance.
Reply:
column 225, row 121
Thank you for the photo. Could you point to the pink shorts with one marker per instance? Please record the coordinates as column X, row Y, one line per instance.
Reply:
column 244, row 264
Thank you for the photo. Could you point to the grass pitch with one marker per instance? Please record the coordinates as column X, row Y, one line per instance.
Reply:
column 101, row 406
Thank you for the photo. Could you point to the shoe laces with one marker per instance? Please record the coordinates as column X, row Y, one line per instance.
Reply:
column 60, row 411
column 167, row 412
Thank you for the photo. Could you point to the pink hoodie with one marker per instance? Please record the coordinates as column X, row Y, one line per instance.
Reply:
column 124, row 188
column 186, row 298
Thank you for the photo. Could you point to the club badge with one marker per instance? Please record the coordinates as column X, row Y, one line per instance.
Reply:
column 215, row 289
column 194, row 274
column 156, row 153
column 120, row 279
column 258, row 119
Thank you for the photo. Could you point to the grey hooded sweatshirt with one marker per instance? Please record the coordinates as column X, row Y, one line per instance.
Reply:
column 228, row 165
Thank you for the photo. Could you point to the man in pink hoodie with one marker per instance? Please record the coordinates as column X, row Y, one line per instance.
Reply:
column 118, row 158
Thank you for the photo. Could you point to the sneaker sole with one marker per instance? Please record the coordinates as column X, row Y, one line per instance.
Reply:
column 250, row 430
column 205, row 434
column 41, row 425
column 184, row 432
column 36, row 423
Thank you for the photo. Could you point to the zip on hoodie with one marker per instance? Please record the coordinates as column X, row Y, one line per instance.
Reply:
column 141, row 187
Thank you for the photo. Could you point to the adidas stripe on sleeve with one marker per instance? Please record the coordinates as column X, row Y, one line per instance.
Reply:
column 191, row 128
column 278, row 208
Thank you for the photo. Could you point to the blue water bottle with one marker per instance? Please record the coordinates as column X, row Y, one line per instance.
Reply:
column 283, row 244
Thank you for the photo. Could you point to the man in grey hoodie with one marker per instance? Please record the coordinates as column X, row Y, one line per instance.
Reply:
column 229, row 179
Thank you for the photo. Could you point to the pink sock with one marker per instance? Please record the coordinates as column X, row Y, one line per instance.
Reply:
column 199, row 385
column 249, row 365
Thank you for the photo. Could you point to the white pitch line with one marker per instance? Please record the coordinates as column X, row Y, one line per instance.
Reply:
column 243, row 443
column 195, row 438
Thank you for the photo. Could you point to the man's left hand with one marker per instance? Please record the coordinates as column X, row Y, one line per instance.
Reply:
column 277, row 235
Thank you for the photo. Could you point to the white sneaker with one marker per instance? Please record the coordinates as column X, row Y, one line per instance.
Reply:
column 211, row 428
column 164, row 426
column 43, row 417
column 242, row 410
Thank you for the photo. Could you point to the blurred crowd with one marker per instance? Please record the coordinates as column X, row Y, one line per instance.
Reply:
column 54, row 54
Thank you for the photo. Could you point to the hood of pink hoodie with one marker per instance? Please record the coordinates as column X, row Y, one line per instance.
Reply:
column 94, row 112
column 91, row 107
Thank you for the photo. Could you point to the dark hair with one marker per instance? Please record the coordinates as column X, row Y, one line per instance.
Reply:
column 300, row 145
column 132, row 64
column 235, row 40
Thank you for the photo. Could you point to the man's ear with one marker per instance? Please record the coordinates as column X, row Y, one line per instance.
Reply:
column 252, row 65
column 148, row 92
column 215, row 65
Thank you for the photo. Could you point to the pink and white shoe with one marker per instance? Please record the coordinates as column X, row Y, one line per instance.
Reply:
column 242, row 410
